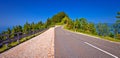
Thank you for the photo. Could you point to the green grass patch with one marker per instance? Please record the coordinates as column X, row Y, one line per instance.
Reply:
column 22, row 40
column 106, row 38
column 101, row 37
column 13, row 44
column 3, row 48
column 111, row 39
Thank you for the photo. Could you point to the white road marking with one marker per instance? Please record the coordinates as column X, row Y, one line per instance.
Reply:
column 100, row 49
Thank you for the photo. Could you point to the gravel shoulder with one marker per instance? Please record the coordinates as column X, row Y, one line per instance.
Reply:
column 41, row 46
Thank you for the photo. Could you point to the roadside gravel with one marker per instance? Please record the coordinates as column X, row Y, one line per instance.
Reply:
column 41, row 46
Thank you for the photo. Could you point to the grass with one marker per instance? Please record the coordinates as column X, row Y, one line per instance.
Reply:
column 3, row 48
column 111, row 39
column 105, row 38
column 13, row 44
column 101, row 37
column 22, row 40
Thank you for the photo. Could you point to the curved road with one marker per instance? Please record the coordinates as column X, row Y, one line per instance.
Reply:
column 73, row 45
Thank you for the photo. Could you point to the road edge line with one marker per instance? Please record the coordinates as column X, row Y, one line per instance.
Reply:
column 92, row 36
column 100, row 49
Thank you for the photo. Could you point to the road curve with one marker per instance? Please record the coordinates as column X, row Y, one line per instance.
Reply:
column 72, row 45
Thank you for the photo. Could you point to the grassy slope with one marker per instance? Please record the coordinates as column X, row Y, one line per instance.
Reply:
column 101, row 37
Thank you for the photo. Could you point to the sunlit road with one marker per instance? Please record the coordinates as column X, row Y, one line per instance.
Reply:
column 71, row 45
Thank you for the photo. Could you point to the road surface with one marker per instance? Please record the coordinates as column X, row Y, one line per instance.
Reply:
column 73, row 45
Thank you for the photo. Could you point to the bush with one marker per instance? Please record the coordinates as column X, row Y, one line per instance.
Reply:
column 111, row 35
column 118, row 36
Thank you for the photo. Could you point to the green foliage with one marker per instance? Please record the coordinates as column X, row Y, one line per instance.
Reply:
column 22, row 40
column 13, row 44
column 40, row 25
column 26, row 27
column 118, row 36
column 77, row 24
column 3, row 48
column 116, row 27
column 91, row 28
column 103, row 29
column 8, row 31
column 33, row 26
column 16, row 29
column 70, row 24
column 110, row 39
column 65, row 20
column 118, row 15
column 111, row 35
column 81, row 25
column 48, row 23
column 58, row 17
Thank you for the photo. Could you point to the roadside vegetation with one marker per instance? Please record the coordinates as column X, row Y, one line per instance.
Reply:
column 103, row 30
column 107, row 31
column 24, row 30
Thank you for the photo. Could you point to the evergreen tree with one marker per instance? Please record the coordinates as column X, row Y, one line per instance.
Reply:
column 83, row 24
column 76, row 24
column 103, row 29
column 91, row 28
column 26, row 28
column 116, row 26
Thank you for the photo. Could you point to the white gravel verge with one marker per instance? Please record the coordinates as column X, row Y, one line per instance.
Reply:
column 41, row 46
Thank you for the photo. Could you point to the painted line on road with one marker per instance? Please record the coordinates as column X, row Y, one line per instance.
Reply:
column 100, row 50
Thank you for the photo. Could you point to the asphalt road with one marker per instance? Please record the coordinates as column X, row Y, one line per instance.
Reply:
column 73, row 45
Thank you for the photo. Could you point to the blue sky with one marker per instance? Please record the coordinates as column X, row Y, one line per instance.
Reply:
column 17, row 12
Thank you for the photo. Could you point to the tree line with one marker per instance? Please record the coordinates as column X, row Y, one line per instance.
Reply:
column 78, row 25
column 100, row 29
column 26, row 28
column 82, row 25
